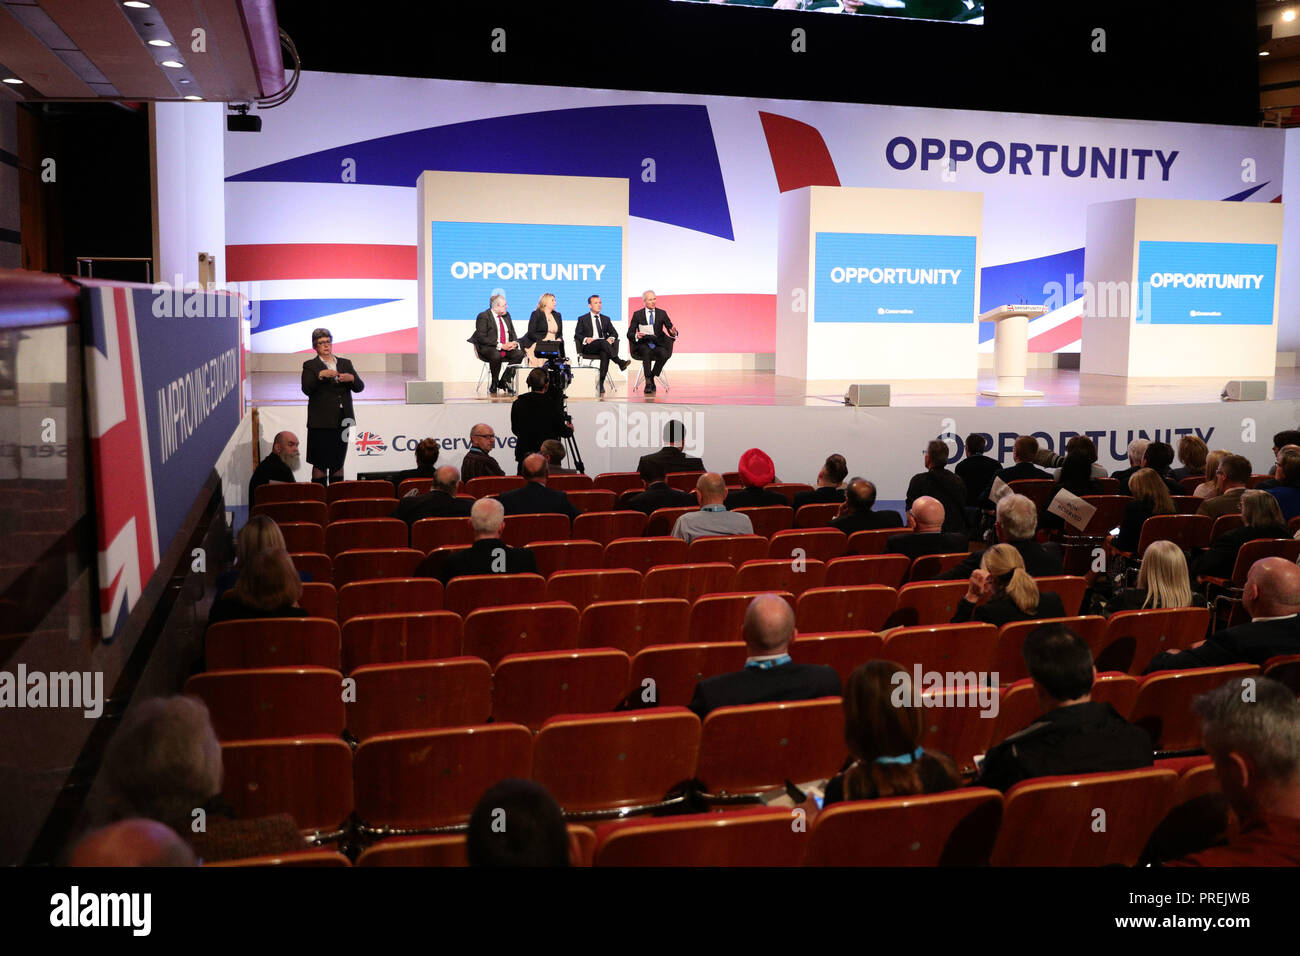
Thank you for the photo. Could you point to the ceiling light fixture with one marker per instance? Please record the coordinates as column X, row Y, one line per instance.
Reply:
column 160, row 42
column 1263, row 53
column 13, row 80
column 174, row 64
column 1288, row 15
column 193, row 97
column 135, row 4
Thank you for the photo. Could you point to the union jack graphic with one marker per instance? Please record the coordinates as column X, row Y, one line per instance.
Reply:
column 368, row 443
column 124, row 494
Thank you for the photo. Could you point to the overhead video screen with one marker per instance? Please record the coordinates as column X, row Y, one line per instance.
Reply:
column 954, row 11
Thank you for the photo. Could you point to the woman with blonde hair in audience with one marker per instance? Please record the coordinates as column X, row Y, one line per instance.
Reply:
column 268, row 586
column 1262, row 519
column 1192, row 452
column 1001, row 591
column 1163, row 582
column 1209, row 488
column 882, row 729
column 260, row 533
column 1150, row 497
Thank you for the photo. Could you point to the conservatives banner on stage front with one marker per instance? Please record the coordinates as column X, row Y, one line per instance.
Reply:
column 876, row 277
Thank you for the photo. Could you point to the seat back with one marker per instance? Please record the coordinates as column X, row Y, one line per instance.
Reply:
column 358, row 488
column 272, row 642
column 865, row 608
column 665, row 675
column 434, row 778
column 569, row 483
column 374, row 563
column 619, row 481
column 294, row 512
column 683, row 480
column 1164, row 703
column 721, row 617
column 1009, row 663
column 581, row 588
column 1252, row 551
column 950, row 648
column 588, row 500
column 488, row 485
column 820, row 543
column 1225, row 523
column 394, row 638
column 521, row 530
column 287, row 491
column 856, row 570
column 309, row 778
column 644, row 553
column 769, row 519
column 928, row 567
column 606, row 526
column 435, row 562
column 351, row 508
column 662, row 520
column 419, row 695
column 958, row 720
column 389, row 596
column 529, row 689
column 421, row 486
column 316, row 564
column 1037, row 490
column 738, row 838
column 755, row 747
column 780, row 574
column 300, row 536
column 1188, row 531
column 472, row 591
column 1133, row 638
column 789, row 489
column 1286, row 669
column 687, row 581
column 430, row 533
column 271, row 702
column 552, row 556
column 816, row 515
column 1110, row 512
column 364, row 533
column 494, row 632
column 735, row 549
column 632, row 625
column 843, row 650
column 928, row 602
column 872, row 541
column 957, row 828
column 1051, row 821
column 1068, row 587
column 319, row 599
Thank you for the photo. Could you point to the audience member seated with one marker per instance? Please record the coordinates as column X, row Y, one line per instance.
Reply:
column 554, row 451
column 438, row 502
column 1075, row 734
column 830, row 484
column 1287, row 490
column 488, row 554
column 426, row 462
column 756, row 472
column 134, row 842
column 713, row 518
column 1016, row 525
column 1263, row 519
column 977, row 469
column 1137, row 450
column 1231, row 479
column 1281, row 441
column 769, row 675
column 517, row 823
column 1255, row 742
column 1024, row 452
column 534, row 498
column 884, row 740
column 857, row 514
column 162, row 764
column 1162, row 582
column 259, row 533
column 1192, row 452
column 658, row 493
column 1159, row 456
column 1210, row 486
column 1272, row 599
column 925, row 518
column 478, row 461
column 1077, row 477
column 1082, row 444
column 671, row 458
column 268, row 586
column 1001, row 591
column 939, row 483
column 1150, row 497
column 277, row 467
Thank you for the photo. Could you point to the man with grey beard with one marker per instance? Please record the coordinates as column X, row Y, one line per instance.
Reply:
column 277, row 466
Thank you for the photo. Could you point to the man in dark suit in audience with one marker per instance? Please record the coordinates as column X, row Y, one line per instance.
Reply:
column 534, row 498
column 1075, row 734
column 1281, row 441
column 478, row 461
column 488, row 554
column 1017, row 524
column 1137, row 450
column 1024, row 451
column 441, row 502
column 830, row 484
column 277, row 466
column 1272, row 598
column 977, row 469
column 927, row 536
column 1232, row 480
column 937, row 482
column 671, row 458
column 756, row 472
column 856, row 513
column 769, row 674
column 1159, row 456
column 658, row 493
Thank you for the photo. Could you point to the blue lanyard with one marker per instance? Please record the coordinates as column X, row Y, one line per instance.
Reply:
column 902, row 758
column 768, row 664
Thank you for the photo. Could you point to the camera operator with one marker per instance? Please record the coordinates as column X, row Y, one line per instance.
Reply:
column 538, row 415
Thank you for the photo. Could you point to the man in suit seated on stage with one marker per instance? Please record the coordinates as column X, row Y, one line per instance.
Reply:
column 937, row 482
column 756, row 472
column 1024, row 451
column 1255, row 742
column 278, row 466
column 440, row 502
column 478, row 461
column 658, row 493
column 769, row 675
column 713, row 518
column 830, row 484
column 857, row 514
column 927, row 536
column 671, row 457
column 1272, row 598
column 1075, row 734
column 488, row 554
column 594, row 337
column 495, row 340
column 650, row 338
column 1017, row 525
column 534, row 498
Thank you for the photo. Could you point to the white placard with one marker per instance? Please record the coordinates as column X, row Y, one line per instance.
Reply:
column 1072, row 508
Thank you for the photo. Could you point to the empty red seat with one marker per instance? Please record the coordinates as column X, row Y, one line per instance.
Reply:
column 1286, row 669
column 873, row 541
column 364, row 533
column 634, row 624
column 1069, row 588
column 317, row 564
column 393, row 638
column 1164, row 703
column 421, row 486
column 928, row 567
column 780, row 574
column 662, row 520
column 735, row 549
column 529, row 689
column 820, row 543
column 288, row 491
column 389, row 596
column 552, row 556
column 346, row 509
column 842, row 650
column 619, row 481
column 419, row 695
column 666, row 675
column 928, row 602
column 430, row 533
column 300, row 536
column 855, row 570
column 358, row 488
column 293, row 512
column 948, row 648
column 374, row 563
column 643, row 554
column 1009, row 662
column 569, row 483
column 493, row 632
column 271, row 701
column 309, row 778
column 1188, row 531
column 521, row 530
column 756, row 747
column 687, row 581
column 769, row 519
column 319, row 600
column 1133, row 638
column 492, row 485
column 471, row 591
column 864, row 608
column 272, row 642
column 816, row 515
column 789, row 489
column 589, row 500
column 581, row 588
column 749, row 837
column 721, row 617
column 607, row 526
column 435, row 562
column 683, row 480
column 940, row 829
column 958, row 720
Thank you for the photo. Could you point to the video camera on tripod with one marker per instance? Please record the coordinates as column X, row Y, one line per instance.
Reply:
column 558, row 376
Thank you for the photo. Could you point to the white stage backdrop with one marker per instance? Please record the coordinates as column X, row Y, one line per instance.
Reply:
column 883, row 444
column 320, row 206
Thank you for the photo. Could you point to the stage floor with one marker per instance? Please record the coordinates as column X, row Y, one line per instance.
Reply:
column 1060, row 387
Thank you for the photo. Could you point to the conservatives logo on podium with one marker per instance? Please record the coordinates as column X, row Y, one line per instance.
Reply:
column 873, row 277
column 1206, row 283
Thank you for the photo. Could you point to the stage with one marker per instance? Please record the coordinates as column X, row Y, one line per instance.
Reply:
column 799, row 423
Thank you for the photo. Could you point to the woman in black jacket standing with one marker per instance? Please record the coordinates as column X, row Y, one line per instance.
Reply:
column 328, row 382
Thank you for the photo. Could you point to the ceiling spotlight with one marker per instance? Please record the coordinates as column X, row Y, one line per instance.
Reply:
column 13, row 80
column 160, row 42
column 1263, row 53
column 185, row 82
column 193, row 97
column 135, row 4
column 174, row 64
column 1288, row 15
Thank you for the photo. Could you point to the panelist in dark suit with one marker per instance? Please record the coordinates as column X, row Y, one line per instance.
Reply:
column 534, row 498
column 671, row 457
column 440, row 502
column 594, row 336
column 544, row 325
column 650, row 337
column 328, row 382
column 770, row 674
column 488, row 554
column 494, row 339
column 536, row 416
column 858, row 514
column 927, row 536
column 658, row 493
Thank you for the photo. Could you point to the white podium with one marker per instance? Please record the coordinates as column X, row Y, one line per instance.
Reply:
column 1010, row 348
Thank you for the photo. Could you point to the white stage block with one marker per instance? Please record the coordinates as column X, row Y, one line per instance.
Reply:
column 878, row 283
column 566, row 235
column 1179, row 288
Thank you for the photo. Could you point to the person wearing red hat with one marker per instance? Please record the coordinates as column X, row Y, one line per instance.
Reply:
column 756, row 471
